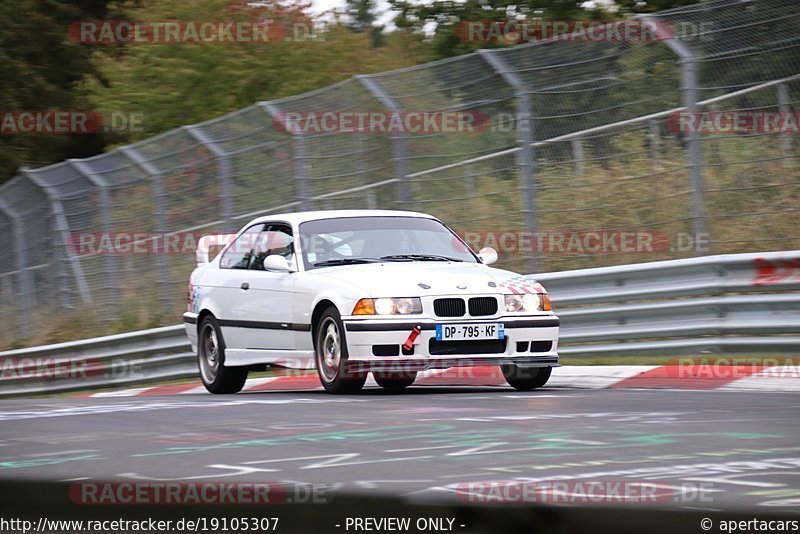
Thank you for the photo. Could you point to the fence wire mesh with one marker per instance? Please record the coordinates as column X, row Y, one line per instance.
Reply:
column 575, row 154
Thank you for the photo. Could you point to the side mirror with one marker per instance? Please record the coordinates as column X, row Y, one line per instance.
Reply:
column 277, row 263
column 487, row 255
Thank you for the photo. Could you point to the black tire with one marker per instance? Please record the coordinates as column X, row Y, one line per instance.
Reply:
column 525, row 378
column 216, row 377
column 395, row 381
column 330, row 355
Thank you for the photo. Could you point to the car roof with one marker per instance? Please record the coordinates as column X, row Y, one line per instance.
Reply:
column 303, row 216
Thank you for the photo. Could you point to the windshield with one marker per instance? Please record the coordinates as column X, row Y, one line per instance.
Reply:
column 356, row 240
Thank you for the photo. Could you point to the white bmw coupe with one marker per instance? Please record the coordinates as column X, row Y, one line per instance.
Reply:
column 354, row 292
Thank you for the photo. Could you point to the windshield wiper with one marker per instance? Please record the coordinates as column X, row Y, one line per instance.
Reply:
column 419, row 257
column 345, row 261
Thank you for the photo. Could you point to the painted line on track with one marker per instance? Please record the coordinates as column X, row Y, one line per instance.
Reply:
column 576, row 377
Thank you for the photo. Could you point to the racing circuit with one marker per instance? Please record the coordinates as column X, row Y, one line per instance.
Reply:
column 639, row 201
column 705, row 450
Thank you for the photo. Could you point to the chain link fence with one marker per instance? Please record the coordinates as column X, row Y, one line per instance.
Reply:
column 576, row 153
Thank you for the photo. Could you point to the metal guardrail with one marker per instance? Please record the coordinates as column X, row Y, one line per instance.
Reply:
column 145, row 356
column 714, row 304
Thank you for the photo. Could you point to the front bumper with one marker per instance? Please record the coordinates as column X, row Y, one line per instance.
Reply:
column 530, row 341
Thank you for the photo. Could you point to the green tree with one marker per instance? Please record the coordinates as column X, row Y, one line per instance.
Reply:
column 171, row 85
column 360, row 14
column 446, row 18
column 41, row 69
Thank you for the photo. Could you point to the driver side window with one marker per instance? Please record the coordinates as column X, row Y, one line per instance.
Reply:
column 274, row 239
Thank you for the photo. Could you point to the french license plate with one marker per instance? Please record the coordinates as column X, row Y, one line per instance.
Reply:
column 461, row 332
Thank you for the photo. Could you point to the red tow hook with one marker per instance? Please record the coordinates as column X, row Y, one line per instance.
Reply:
column 411, row 337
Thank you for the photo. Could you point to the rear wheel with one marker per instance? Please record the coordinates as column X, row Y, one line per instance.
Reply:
column 395, row 381
column 217, row 378
column 525, row 378
column 330, row 348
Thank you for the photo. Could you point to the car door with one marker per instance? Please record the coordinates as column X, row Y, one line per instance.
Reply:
column 265, row 307
column 226, row 288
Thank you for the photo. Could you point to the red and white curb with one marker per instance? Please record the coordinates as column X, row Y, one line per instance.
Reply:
column 735, row 378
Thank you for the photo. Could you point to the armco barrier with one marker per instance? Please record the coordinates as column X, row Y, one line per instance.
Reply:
column 714, row 304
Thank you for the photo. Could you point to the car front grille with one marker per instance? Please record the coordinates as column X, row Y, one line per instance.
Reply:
column 480, row 306
column 449, row 307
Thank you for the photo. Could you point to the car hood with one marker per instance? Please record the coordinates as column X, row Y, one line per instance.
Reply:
column 407, row 279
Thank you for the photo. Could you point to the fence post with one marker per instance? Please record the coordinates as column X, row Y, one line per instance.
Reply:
column 470, row 185
column 25, row 283
column 225, row 171
column 654, row 134
column 62, row 227
column 302, row 169
column 60, row 261
column 399, row 149
column 107, row 226
column 8, row 289
column 577, row 155
column 358, row 141
column 784, row 108
column 159, row 210
column 689, row 99
column 526, row 157
column 300, row 157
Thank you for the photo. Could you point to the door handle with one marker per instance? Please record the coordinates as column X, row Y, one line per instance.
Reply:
column 245, row 285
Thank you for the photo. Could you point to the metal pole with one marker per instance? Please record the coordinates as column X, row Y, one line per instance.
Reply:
column 300, row 158
column 469, row 185
column 654, row 133
column 302, row 168
column 25, row 283
column 694, row 150
column 577, row 155
column 784, row 108
column 526, row 157
column 59, row 260
column 358, row 142
column 690, row 99
column 399, row 148
column 224, row 170
column 107, row 226
column 62, row 227
column 8, row 297
column 159, row 211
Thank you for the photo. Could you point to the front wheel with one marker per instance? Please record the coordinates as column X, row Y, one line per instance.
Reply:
column 395, row 381
column 330, row 348
column 217, row 378
column 525, row 378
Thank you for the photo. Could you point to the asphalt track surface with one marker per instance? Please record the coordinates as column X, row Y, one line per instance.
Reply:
column 706, row 450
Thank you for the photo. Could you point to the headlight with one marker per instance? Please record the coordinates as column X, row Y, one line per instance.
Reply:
column 388, row 306
column 528, row 302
